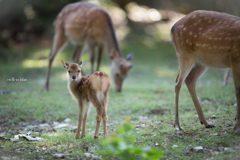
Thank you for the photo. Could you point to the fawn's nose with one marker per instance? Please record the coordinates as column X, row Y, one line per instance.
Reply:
column 73, row 77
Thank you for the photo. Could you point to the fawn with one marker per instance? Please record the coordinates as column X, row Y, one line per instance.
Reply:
column 86, row 24
column 86, row 89
column 206, row 39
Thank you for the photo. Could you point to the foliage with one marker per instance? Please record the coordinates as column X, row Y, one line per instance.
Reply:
column 121, row 144
column 149, row 87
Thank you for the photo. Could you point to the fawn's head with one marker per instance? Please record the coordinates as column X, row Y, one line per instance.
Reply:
column 119, row 68
column 74, row 70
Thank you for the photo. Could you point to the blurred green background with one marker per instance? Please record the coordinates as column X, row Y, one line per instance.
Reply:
column 30, row 22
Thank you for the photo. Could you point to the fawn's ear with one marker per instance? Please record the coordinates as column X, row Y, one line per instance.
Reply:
column 65, row 65
column 80, row 63
column 113, row 54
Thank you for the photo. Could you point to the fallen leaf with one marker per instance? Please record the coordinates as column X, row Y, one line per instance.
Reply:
column 156, row 144
column 67, row 120
column 88, row 155
column 61, row 126
column 198, row 149
column 59, row 155
column 174, row 146
column 29, row 138
column 214, row 117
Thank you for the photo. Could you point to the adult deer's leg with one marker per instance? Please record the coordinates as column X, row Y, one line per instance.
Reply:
column 91, row 47
column 100, row 49
column 58, row 42
column 191, row 81
column 236, row 79
column 226, row 76
column 185, row 65
column 77, row 53
column 86, row 108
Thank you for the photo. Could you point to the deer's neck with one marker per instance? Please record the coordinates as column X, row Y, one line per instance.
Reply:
column 110, row 41
column 73, row 87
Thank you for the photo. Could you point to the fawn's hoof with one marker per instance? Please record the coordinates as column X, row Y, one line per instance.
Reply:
column 178, row 128
column 210, row 126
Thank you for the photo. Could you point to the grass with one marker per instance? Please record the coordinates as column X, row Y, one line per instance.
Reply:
column 147, row 98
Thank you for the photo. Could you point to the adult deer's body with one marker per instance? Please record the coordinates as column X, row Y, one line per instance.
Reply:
column 88, row 89
column 206, row 39
column 87, row 24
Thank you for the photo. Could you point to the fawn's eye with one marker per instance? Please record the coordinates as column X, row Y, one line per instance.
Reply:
column 68, row 71
column 78, row 71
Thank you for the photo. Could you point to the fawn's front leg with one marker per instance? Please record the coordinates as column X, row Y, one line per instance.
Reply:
column 80, row 117
column 85, row 114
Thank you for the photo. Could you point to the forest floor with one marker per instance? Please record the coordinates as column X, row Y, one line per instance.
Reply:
column 147, row 98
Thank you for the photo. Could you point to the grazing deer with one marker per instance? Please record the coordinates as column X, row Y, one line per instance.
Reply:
column 87, row 24
column 86, row 89
column 206, row 39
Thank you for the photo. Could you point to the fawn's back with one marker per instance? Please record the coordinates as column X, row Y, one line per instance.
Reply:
column 211, row 38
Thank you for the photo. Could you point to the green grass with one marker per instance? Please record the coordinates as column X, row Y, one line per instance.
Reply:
column 149, row 85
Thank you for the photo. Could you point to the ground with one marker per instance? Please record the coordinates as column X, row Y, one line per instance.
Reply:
column 147, row 98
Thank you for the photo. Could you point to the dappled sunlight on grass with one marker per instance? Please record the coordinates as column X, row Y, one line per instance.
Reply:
column 165, row 72
column 105, row 69
column 63, row 76
column 29, row 63
column 43, row 53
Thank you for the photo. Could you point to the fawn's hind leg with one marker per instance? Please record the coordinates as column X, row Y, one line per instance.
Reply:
column 105, row 119
column 104, row 113
column 99, row 108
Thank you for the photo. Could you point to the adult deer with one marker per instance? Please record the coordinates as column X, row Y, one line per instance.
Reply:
column 87, row 24
column 206, row 39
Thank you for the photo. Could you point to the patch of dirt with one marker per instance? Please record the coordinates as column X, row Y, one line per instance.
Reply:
column 158, row 111
column 9, row 154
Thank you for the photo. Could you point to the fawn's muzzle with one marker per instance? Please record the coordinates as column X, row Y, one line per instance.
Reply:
column 73, row 77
